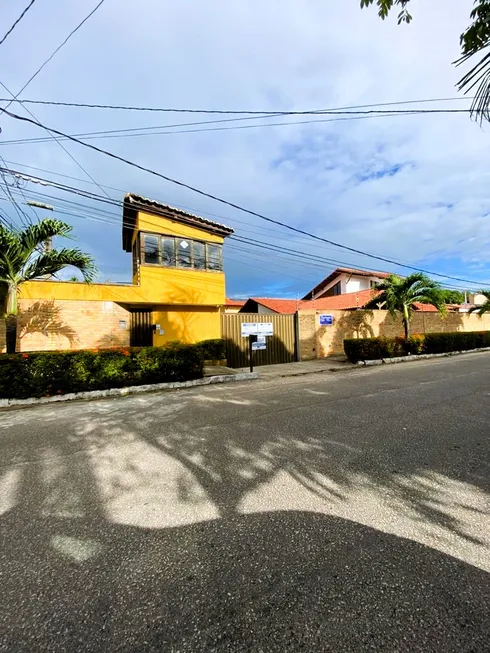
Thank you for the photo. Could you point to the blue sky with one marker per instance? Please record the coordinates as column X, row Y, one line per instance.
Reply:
column 411, row 188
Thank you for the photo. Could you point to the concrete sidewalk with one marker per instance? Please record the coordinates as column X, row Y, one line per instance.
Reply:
column 330, row 364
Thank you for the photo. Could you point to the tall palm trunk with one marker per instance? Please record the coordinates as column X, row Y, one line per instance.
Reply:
column 406, row 321
column 11, row 319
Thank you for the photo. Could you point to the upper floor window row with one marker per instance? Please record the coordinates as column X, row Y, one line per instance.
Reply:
column 170, row 251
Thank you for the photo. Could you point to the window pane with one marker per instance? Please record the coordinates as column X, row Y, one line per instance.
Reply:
column 151, row 249
column 184, row 253
column 214, row 257
column 168, row 251
column 199, row 252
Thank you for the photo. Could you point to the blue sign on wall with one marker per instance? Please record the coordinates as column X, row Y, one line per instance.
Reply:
column 326, row 320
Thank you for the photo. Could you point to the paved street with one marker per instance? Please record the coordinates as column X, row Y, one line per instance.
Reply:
column 337, row 512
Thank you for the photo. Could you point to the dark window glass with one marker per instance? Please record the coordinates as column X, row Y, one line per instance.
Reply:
column 168, row 251
column 184, row 253
column 135, row 257
column 151, row 249
column 199, row 252
column 337, row 289
column 214, row 257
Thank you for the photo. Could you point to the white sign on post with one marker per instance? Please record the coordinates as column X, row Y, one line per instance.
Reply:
column 261, row 339
column 258, row 345
column 257, row 329
column 265, row 328
column 249, row 329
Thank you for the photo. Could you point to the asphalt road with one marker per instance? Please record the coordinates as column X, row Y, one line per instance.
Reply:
column 337, row 512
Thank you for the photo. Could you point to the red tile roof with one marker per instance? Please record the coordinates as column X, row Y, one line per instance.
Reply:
column 278, row 305
column 234, row 302
column 339, row 271
column 339, row 302
column 425, row 308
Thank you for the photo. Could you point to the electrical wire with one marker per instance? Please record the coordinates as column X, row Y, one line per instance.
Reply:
column 131, row 132
column 58, row 141
column 248, row 211
column 291, row 256
column 17, row 21
column 45, row 63
column 233, row 204
column 226, row 111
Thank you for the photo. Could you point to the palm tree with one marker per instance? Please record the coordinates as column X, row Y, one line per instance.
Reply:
column 485, row 307
column 400, row 294
column 23, row 257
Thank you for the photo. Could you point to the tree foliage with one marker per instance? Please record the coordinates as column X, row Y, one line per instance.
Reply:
column 452, row 296
column 474, row 39
column 399, row 295
column 23, row 258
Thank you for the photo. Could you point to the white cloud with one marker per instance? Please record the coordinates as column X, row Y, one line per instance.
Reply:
column 325, row 177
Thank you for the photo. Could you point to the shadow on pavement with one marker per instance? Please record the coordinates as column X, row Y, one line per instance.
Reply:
column 285, row 581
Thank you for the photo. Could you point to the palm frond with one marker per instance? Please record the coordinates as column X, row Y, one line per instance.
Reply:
column 50, row 263
column 36, row 234
column 478, row 76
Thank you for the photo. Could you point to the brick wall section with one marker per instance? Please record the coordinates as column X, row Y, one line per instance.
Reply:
column 48, row 325
column 317, row 341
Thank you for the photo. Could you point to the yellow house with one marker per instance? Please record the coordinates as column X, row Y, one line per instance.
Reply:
column 177, row 290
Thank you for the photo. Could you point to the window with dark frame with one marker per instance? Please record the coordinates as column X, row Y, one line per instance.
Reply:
column 337, row 289
column 199, row 255
column 135, row 257
column 184, row 253
column 214, row 257
column 169, row 251
column 151, row 249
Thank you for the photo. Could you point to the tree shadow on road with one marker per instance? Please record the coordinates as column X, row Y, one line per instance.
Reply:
column 78, row 575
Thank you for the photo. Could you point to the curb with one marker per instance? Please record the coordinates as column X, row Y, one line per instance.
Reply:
column 129, row 390
column 416, row 357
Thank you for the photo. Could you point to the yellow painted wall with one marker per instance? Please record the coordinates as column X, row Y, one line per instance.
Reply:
column 157, row 285
column 166, row 226
column 186, row 325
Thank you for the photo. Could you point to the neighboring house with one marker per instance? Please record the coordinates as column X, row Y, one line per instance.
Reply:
column 345, row 280
column 177, row 290
column 233, row 305
column 349, row 301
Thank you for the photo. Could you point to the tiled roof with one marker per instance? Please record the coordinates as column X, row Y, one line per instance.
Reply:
column 339, row 271
column 425, row 308
column 133, row 203
column 278, row 305
column 234, row 302
column 339, row 302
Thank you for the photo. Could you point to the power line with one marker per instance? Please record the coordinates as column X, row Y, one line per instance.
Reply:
column 56, row 139
column 227, row 111
column 17, row 21
column 147, row 131
column 298, row 257
column 232, row 204
column 192, row 209
column 45, row 63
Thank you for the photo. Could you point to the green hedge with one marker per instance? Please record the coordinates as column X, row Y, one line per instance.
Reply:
column 40, row 374
column 362, row 349
column 212, row 350
column 440, row 343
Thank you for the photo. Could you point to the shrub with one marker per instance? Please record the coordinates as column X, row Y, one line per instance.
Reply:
column 212, row 350
column 39, row 374
column 362, row 349
column 440, row 343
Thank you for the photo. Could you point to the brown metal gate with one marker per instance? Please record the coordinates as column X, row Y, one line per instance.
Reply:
column 281, row 347
column 141, row 334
